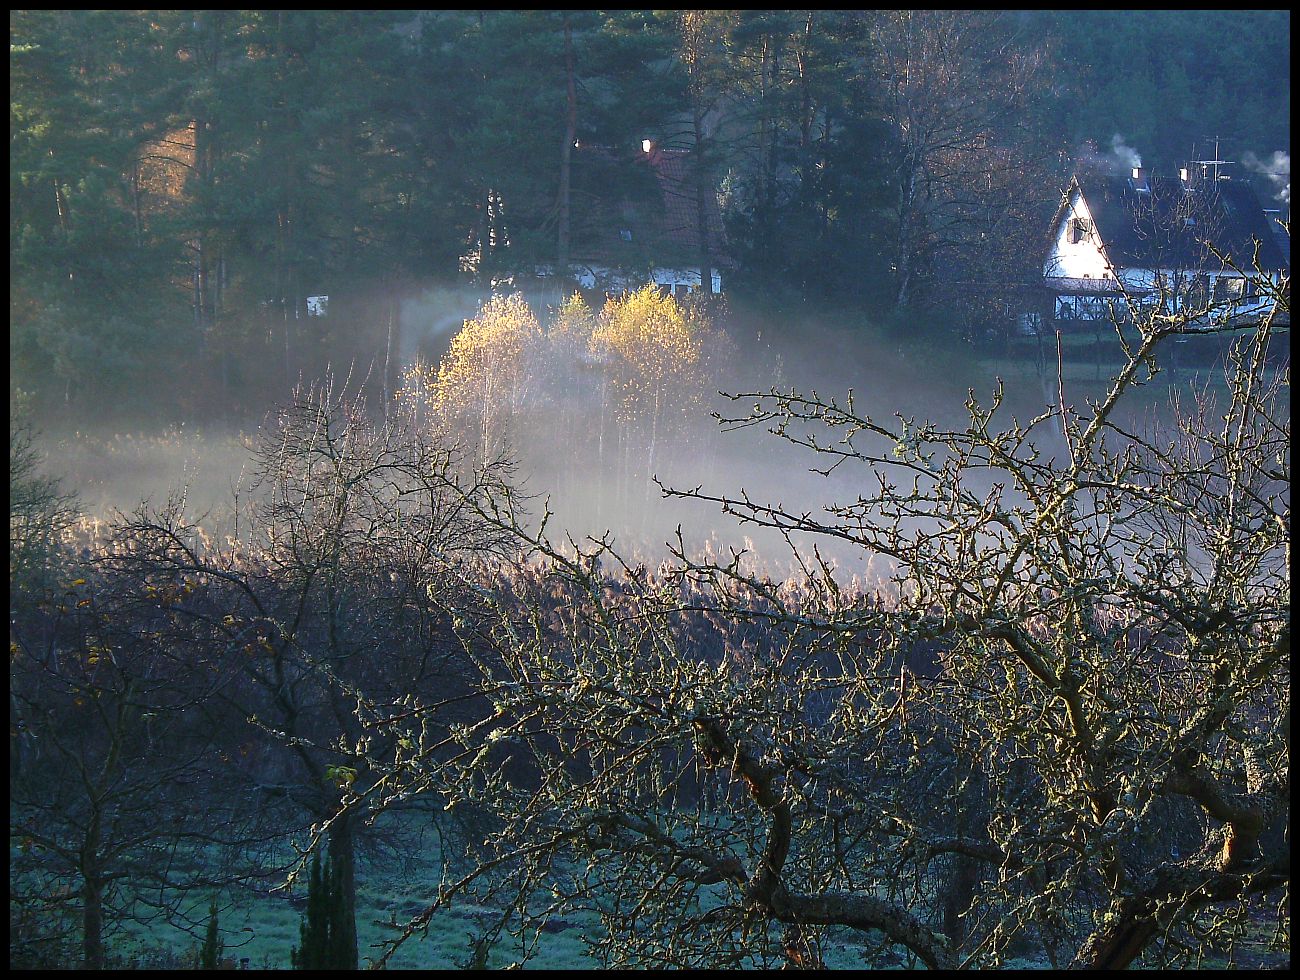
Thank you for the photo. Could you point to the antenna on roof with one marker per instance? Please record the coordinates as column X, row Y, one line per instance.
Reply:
column 1216, row 162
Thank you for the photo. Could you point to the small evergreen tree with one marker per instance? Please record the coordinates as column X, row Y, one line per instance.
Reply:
column 322, row 936
column 310, row 952
column 210, row 955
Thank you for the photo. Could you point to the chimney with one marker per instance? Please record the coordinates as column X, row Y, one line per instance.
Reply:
column 1139, row 180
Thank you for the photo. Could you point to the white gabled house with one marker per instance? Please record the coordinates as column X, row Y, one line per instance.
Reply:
column 1152, row 241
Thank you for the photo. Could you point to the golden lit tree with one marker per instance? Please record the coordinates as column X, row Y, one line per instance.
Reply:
column 654, row 350
column 619, row 388
column 573, row 392
column 486, row 377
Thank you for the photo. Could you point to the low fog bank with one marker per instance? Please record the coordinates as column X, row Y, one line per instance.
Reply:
column 114, row 471
column 885, row 379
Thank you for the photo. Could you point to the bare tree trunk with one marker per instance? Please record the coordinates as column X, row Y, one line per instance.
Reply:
column 650, row 459
column 391, row 368
column 284, row 309
column 764, row 126
column 201, row 236
column 907, row 224
column 209, row 25
column 807, row 116
column 284, row 233
column 61, row 206
column 92, row 920
column 807, row 110
column 92, row 898
column 600, row 447
column 484, row 206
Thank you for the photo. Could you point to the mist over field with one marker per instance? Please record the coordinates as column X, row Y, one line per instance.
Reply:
column 209, row 466
column 115, row 469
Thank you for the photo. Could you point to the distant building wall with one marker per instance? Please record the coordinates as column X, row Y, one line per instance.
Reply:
column 675, row 280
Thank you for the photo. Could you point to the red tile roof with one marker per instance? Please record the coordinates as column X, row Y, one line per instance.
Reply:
column 650, row 196
column 679, row 221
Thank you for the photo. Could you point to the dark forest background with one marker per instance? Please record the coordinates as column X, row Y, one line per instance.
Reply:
column 182, row 181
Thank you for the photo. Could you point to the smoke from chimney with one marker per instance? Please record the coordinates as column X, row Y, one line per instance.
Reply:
column 1121, row 161
column 1127, row 157
column 1276, row 168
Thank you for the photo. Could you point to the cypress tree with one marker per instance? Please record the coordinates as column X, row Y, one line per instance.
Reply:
column 322, row 936
column 210, row 955
column 314, row 931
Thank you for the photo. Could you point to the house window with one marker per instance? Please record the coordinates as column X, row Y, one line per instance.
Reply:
column 625, row 234
column 1080, row 229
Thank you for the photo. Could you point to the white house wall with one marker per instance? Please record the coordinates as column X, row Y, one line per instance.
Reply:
column 675, row 280
column 689, row 279
column 1076, row 260
column 1144, row 287
column 1085, row 285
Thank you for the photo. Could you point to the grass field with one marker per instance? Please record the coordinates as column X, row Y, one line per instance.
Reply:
column 263, row 929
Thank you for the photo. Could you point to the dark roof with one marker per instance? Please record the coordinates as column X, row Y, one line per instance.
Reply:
column 647, row 196
column 1281, row 238
column 1170, row 224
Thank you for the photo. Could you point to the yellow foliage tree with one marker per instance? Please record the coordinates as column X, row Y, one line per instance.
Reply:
column 486, row 376
column 571, row 328
column 633, row 377
column 653, row 350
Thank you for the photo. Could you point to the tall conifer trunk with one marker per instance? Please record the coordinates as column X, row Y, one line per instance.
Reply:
column 566, row 154
column 702, row 202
